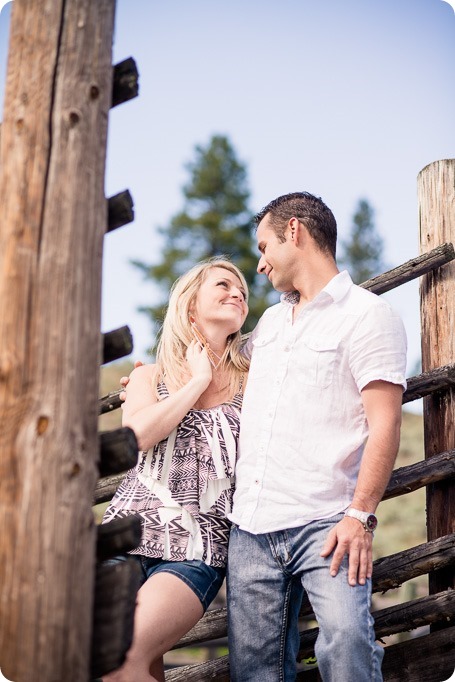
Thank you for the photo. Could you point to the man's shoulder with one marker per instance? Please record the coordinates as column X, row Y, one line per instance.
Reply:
column 363, row 299
column 273, row 310
column 270, row 319
column 272, row 316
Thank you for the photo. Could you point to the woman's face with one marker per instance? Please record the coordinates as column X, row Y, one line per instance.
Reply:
column 221, row 299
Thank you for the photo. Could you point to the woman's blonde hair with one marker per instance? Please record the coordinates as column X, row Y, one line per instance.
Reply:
column 176, row 333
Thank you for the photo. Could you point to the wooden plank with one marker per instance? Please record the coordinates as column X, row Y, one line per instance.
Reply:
column 125, row 82
column 427, row 383
column 436, row 191
column 392, row 571
column 417, row 387
column 416, row 267
column 387, row 621
column 117, row 344
column 430, row 658
column 110, row 402
column 212, row 625
column 116, row 587
column 216, row 669
column 436, row 608
column 403, row 480
column 106, row 487
column 117, row 537
column 118, row 451
column 120, row 210
column 414, row 476
column 52, row 222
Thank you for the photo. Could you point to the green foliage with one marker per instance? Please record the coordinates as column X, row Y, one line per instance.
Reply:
column 362, row 252
column 215, row 221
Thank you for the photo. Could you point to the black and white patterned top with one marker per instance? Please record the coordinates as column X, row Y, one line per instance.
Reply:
column 183, row 487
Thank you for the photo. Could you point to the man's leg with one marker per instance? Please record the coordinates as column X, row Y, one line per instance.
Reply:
column 263, row 606
column 345, row 649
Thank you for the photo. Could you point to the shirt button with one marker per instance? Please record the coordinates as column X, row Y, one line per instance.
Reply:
column 256, row 482
column 287, row 349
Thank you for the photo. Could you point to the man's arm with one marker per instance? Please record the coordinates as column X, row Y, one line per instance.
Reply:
column 382, row 403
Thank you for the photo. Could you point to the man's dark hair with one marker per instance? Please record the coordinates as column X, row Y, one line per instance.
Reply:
column 310, row 211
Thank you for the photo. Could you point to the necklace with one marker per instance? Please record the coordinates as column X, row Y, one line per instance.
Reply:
column 212, row 356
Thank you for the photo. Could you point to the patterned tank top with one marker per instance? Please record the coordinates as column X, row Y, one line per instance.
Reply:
column 182, row 488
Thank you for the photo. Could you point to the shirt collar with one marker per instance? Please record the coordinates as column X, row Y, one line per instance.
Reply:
column 337, row 288
column 290, row 297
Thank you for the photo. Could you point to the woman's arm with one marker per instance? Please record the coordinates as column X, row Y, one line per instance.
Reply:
column 152, row 421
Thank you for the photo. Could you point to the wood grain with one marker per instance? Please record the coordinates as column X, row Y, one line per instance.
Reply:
column 52, row 222
column 436, row 192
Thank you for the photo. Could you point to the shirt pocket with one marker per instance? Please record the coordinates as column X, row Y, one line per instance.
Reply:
column 316, row 360
column 263, row 355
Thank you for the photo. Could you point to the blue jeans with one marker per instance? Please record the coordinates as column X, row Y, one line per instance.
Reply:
column 267, row 574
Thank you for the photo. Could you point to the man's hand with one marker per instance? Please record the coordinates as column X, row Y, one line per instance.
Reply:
column 349, row 537
column 124, row 381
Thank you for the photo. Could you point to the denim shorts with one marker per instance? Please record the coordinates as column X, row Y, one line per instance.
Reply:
column 204, row 580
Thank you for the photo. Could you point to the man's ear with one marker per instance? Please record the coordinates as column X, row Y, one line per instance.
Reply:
column 294, row 229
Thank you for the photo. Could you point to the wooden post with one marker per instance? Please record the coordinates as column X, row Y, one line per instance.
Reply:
column 436, row 189
column 53, row 213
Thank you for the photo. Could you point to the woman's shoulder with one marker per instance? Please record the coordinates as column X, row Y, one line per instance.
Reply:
column 143, row 373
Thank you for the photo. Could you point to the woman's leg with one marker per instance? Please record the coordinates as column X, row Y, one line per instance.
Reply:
column 166, row 610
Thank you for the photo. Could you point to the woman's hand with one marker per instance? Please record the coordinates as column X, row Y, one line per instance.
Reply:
column 124, row 381
column 151, row 419
column 199, row 363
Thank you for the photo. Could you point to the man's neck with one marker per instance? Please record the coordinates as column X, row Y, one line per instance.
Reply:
column 312, row 284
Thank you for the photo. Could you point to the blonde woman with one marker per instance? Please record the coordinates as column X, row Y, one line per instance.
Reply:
column 185, row 412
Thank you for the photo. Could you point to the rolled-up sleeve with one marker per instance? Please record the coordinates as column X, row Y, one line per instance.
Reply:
column 378, row 348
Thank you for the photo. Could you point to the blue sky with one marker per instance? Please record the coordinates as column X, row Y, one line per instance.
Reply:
column 347, row 99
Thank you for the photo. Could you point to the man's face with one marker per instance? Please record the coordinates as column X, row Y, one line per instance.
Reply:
column 275, row 259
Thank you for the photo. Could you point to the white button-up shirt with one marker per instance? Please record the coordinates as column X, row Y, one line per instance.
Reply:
column 303, row 426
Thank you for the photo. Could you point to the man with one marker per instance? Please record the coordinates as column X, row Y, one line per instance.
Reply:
column 319, row 435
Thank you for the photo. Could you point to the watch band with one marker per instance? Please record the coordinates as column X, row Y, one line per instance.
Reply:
column 367, row 519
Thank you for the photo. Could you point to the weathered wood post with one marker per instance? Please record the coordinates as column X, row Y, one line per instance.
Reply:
column 436, row 189
column 52, row 221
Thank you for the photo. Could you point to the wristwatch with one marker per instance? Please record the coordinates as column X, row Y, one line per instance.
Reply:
column 368, row 521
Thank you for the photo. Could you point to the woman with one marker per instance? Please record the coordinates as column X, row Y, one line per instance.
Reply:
column 185, row 412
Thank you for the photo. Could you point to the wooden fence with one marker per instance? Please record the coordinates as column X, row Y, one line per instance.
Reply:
column 431, row 657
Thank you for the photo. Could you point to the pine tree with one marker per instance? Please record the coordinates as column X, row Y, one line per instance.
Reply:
column 214, row 221
column 362, row 253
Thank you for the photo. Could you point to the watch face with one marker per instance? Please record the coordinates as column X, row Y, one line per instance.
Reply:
column 371, row 522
